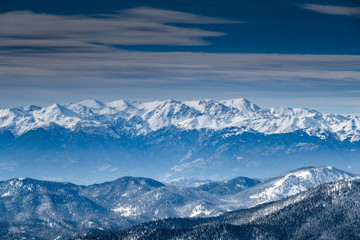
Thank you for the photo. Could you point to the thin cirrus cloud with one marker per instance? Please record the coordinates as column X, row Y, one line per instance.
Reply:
column 334, row 10
column 167, row 16
column 120, row 68
column 138, row 26
column 43, row 78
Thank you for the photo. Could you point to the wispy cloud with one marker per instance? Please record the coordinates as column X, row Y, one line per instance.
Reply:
column 138, row 26
column 8, row 166
column 335, row 10
column 32, row 76
column 107, row 167
column 120, row 67
column 197, row 163
column 168, row 16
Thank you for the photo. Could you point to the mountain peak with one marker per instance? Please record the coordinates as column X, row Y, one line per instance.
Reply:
column 321, row 170
column 135, row 181
column 92, row 103
column 121, row 105
column 31, row 108
column 290, row 183
column 242, row 104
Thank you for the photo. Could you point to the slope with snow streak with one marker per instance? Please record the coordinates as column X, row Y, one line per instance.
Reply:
column 119, row 117
column 289, row 184
column 188, row 182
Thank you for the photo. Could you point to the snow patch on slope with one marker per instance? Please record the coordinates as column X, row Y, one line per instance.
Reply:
column 289, row 184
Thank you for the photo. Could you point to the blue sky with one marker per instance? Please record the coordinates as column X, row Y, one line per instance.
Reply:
column 274, row 53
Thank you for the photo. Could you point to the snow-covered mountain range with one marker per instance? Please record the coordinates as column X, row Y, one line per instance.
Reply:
column 47, row 210
column 91, row 141
column 329, row 211
column 129, row 117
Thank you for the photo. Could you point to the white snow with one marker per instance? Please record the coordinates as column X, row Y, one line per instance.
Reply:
column 295, row 182
column 200, row 210
column 6, row 194
column 141, row 118
column 187, row 182
column 126, row 211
